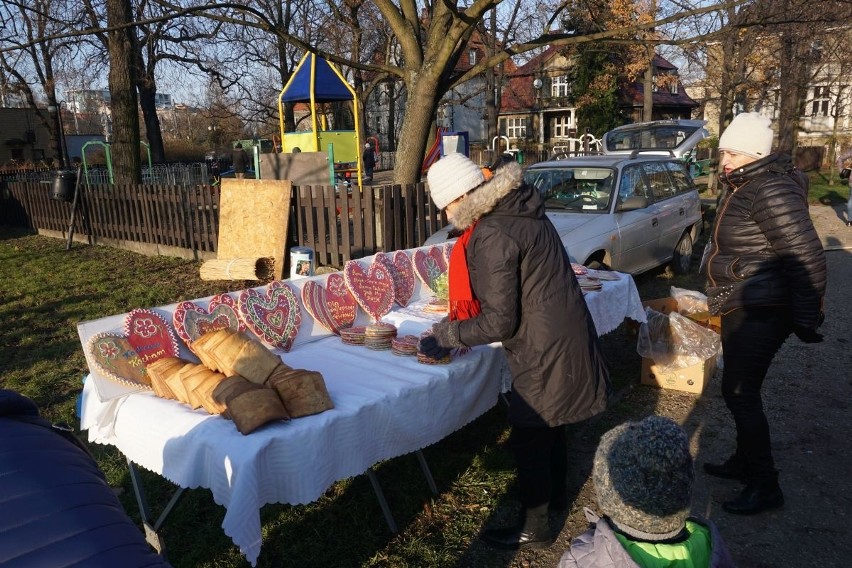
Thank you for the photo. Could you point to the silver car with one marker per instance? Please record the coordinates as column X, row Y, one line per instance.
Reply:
column 628, row 213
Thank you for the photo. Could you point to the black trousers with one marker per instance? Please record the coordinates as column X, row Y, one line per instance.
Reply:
column 750, row 339
column 541, row 455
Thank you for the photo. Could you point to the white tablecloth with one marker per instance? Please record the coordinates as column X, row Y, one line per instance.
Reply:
column 385, row 406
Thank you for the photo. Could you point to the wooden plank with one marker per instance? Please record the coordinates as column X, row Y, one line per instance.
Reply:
column 253, row 218
column 333, row 241
column 322, row 223
column 420, row 214
column 409, row 215
column 215, row 200
column 358, row 216
column 308, row 213
column 369, row 222
column 388, row 240
column 147, row 216
column 345, row 217
column 176, row 226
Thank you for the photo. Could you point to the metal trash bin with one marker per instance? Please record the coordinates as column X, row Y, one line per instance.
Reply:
column 63, row 185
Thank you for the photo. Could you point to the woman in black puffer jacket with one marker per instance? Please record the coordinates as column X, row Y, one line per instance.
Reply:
column 766, row 276
column 510, row 280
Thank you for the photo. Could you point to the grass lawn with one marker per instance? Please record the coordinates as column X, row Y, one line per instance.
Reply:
column 45, row 291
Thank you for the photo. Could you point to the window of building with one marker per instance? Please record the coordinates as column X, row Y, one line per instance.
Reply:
column 516, row 127
column 561, row 126
column 471, row 56
column 559, row 86
column 673, row 86
column 819, row 106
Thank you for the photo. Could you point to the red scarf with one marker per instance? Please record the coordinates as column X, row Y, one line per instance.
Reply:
column 463, row 304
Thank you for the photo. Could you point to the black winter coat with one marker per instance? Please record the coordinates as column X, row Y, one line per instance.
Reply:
column 56, row 508
column 764, row 249
column 531, row 301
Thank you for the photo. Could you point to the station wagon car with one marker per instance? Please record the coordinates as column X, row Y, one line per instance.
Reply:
column 630, row 213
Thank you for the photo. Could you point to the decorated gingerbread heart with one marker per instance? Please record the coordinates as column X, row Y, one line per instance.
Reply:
column 273, row 316
column 429, row 266
column 191, row 321
column 114, row 358
column 332, row 306
column 150, row 335
column 447, row 249
column 372, row 288
column 402, row 274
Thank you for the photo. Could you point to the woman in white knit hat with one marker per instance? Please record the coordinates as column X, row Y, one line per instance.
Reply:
column 510, row 280
column 766, row 276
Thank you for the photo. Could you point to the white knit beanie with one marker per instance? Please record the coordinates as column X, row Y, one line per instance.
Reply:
column 749, row 133
column 451, row 177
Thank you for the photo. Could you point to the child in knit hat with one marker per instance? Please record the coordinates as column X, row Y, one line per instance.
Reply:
column 643, row 476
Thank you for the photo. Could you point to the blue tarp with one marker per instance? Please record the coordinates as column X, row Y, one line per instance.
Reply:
column 327, row 85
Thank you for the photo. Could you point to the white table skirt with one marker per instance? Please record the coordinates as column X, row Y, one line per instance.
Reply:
column 385, row 406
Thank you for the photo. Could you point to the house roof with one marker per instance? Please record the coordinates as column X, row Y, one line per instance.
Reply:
column 519, row 94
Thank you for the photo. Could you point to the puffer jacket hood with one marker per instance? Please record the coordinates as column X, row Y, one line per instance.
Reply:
column 485, row 198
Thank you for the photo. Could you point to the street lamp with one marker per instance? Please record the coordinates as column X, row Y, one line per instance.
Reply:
column 63, row 145
column 537, row 85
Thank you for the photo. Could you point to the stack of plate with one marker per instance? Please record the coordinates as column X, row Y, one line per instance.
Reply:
column 405, row 345
column 379, row 335
column 437, row 306
column 588, row 283
column 353, row 335
column 426, row 360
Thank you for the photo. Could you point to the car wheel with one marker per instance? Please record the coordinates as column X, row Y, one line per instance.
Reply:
column 682, row 257
column 597, row 265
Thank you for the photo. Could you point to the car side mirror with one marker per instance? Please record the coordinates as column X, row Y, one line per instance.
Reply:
column 632, row 203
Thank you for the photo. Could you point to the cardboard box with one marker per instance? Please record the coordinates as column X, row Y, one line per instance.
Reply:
column 692, row 379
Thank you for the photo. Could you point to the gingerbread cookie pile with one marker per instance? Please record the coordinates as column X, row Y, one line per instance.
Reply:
column 240, row 379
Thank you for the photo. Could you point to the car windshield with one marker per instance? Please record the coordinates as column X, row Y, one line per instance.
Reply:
column 662, row 137
column 582, row 189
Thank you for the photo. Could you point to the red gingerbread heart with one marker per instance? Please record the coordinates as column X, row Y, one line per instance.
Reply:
column 150, row 335
column 191, row 321
column 274, row 317
column 333, row 307
column 402, row 273
column 372, row 289
column 114, row 358
column 429, row 266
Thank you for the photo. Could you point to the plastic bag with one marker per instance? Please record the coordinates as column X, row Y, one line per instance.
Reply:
column 689, row 301
column 674, row 341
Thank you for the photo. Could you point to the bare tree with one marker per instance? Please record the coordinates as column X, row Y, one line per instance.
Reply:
column 122, row 88
column 32, row 55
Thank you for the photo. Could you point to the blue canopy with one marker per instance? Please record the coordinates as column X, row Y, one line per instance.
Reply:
column 328, row 87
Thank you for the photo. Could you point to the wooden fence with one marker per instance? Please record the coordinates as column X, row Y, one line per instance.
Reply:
column 338, row 226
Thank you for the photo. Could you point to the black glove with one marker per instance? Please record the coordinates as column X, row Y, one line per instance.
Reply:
column 807, row 335
column 429, row 347
column 444, row 338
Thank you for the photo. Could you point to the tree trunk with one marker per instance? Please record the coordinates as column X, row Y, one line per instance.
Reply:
column 122, row 88
column 152, row 122
column 423, row 97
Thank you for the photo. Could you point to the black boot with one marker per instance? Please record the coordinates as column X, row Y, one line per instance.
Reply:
column 532, row 531
column 758, row 496
column 733, row 468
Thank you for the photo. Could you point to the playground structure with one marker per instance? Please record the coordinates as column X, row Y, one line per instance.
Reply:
column 446, row 142
column 317, row 82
